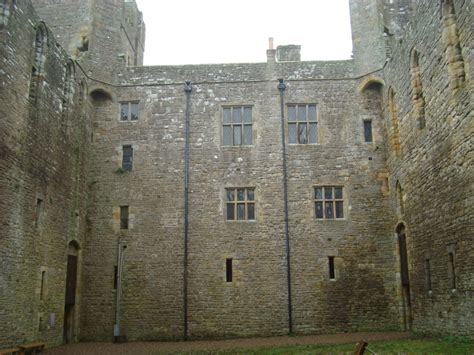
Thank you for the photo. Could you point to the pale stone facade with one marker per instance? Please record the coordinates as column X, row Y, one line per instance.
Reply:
column 375, row 160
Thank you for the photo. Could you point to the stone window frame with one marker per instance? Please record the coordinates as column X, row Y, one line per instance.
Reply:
column 127, row 160
column 306, row 122
column 40, row 48
column 129, row 104
column 333, row 199
column 235, row 202
column 6, row 9
column 228, row 122
column 364, row 122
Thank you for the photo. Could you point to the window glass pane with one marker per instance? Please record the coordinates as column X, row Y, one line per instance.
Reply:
column 124, row 112
column 248, row 134
column 227, row 118
column 339, row 209
column 127, row 157
column 134, row 111
column 302, row 133
column 313, row 133
column 292, row 133
column 312, row 112
column 250, row 195
column 329, row 209
column 319, row 210
column 236, row 115
column 230, row 211
column 230, row 195
column 227, row 135
column 247, row 114
column 328, row 193
column 338, row 192
column 238, row 135
column 291, row 113
column 302, row 113
column 241, row 195
column 368, row 131
column 251, row 211
column 318, row 193
column 240, row 211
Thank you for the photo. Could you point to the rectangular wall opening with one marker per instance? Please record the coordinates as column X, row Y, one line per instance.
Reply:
column 332, row 270
column 452, row 271
column 428, row 273
column 123, row 217
column 228, row 270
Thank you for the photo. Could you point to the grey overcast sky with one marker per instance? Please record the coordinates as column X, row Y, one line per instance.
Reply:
column 237, row 31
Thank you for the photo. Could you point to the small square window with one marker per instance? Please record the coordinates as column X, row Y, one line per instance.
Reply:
column 240, row 204
column 129, row 111
column 329, row 202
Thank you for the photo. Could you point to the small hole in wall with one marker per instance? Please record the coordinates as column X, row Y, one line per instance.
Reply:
column 370, row 158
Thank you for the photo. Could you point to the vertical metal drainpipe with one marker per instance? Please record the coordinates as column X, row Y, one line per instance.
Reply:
column 187, row 89
column 281, row 88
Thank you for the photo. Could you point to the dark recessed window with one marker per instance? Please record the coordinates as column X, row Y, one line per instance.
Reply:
column 38, row 211
column 115, row 277
column 452, row 270
column 240, row 204
column 332, row 270
column 127, row 158
column 237, row 125
column 368, row 131
column 123, row 217
column 302, row 124
column 128, row 111
column 329, row 202
column 428, row 273
column 228, row 270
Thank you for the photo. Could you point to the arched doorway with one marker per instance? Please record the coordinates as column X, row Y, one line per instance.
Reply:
column 70, row 298
column 404, row 276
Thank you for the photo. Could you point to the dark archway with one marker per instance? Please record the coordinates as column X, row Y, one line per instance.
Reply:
column 70, row 298
column 404, row 275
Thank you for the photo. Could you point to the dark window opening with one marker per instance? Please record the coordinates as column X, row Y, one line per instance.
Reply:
column 228, row 270
column 240, row 204
column 329, row 202
column 38, row 212
column 115, row 277
column 428, row 274
column 43, row 278
column 452, row 271
column 237, row 125
column 123, row 217
column 332, row 271
column 127, row 158
column 368, row 131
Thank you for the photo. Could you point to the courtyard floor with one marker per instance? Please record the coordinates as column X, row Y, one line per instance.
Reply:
column 217, row 345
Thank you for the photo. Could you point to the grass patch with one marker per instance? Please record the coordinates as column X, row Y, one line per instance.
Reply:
column 448, row 345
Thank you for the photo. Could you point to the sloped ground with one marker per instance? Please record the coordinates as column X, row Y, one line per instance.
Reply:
column 215, row 345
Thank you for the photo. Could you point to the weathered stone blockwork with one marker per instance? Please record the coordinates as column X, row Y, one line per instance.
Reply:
column 65, row 151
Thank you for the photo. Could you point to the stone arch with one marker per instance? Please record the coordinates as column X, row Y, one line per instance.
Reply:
column 393, row 113
column 100, row 95
column 417, row 98
column 370, row 81
column 37, row 68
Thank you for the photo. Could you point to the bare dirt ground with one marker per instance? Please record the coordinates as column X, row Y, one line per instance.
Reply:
column 214, row 345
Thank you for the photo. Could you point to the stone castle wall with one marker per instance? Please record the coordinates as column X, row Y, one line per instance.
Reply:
column 66, row 151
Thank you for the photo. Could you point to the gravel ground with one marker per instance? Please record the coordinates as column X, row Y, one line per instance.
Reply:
column 213, row 345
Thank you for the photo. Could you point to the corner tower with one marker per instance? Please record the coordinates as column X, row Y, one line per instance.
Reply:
column 103, row 35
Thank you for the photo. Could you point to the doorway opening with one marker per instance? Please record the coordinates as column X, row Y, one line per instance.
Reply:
column 404, row 276
column 70, row 299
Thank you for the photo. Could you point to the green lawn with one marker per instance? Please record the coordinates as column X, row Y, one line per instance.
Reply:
column 450, row 345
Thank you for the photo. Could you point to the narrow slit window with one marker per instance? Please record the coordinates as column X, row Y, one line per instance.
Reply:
column 43, row 279
column 428, row 274
column 332, row 270
column 127, row 157
column 452, row 271
column 38, row 211
column 123, row 217
column 368, row 131
column 228, row 270
column 115, row 277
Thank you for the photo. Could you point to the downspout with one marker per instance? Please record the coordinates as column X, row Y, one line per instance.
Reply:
column 120, row 257
column 281, row 88
column 187, row 89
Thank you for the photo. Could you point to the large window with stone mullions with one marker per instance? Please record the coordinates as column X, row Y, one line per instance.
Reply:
column 329, row 202
column 240, row 204
column 302, row 124
column 237, row 125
